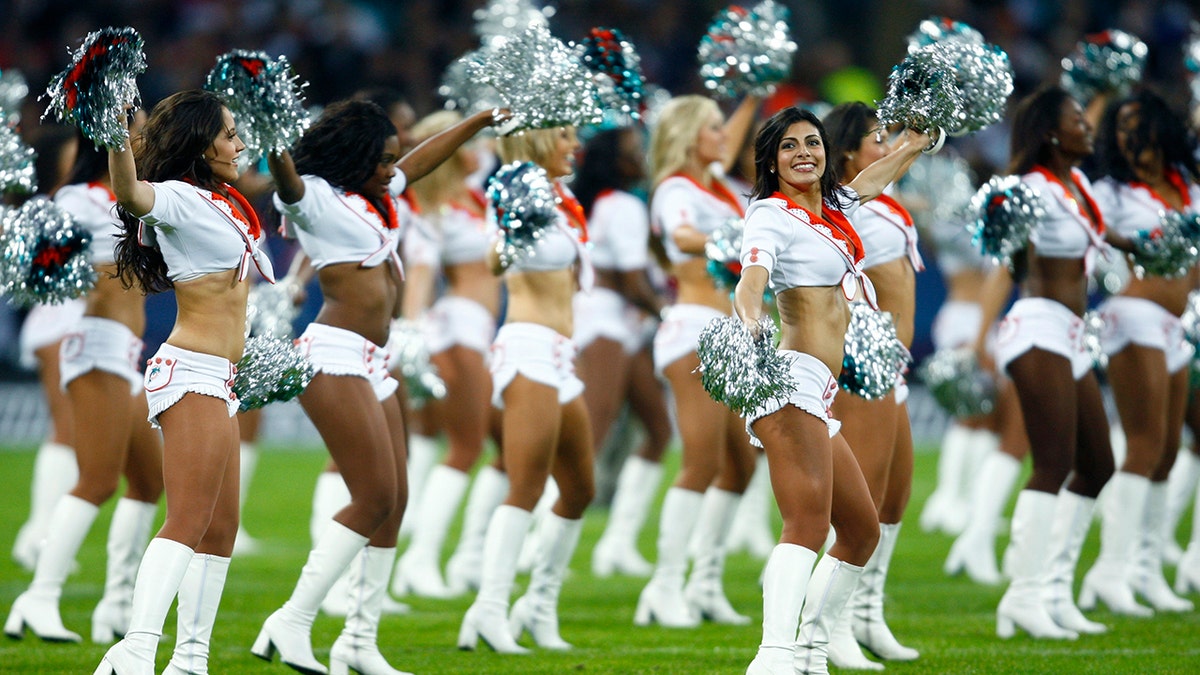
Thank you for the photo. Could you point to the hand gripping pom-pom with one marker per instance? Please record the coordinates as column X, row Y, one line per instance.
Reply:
column 45, row 255
column 1109, row 61
column 408, row 351
column 874, row 356
column 723, row 251
column 271, row 369
column 742, row 371
column 271, row 309
column 620, row 86
column 98, row 90
column 746, row 52
column 523, row 204
column 1169, row 251
column 265, row 97
column 539, row 79
column 1005, row 211
column 958, row 384
column 17, row 172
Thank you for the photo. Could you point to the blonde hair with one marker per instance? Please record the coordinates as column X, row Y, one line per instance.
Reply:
column 437, row 187
column 675, row 135
column 531, row 145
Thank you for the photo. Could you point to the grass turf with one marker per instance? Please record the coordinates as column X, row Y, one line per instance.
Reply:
column 951, row 621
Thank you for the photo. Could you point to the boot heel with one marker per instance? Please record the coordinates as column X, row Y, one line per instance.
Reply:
column 1005, row 628
column 263, row 647
column 468, row 636
column 1087, row 596
column 642, row 616
column 14, row 626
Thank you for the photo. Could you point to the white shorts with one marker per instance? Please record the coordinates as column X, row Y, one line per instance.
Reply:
column 458, row 321
column 603, row 313
column 1147, row 324
column 956, row 324
column 679, row 331
column 337, row 351
column 101, row 344
column 47, row 324
column 537, row 352
column 901, row 389
column 173, row 372
column 1044, row 324
column 814, row 393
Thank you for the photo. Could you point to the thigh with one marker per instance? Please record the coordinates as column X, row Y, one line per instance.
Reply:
column 1046, row 389
column 531, row 428
column 899, row 481
column 62, row 426
column 604, row 367
column 103, row 406
column 740, row 457
column 1176, row 408
column 853, row 513
column 199, row 441
column 800, row 459
column 1093, row 456
column 249, row 422
column 144, row 463
column 1010, row 423
column 1141, row 389
column 574, row 463
column 351, row 422
column 869, row 427
column 702, row 425
column 467, row 406
column 648, row 401
column 222, row 528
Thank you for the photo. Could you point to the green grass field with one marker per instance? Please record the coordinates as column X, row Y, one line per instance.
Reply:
column 951, row 621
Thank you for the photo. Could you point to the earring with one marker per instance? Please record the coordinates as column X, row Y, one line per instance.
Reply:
column 1054, row 140
column 772, row 169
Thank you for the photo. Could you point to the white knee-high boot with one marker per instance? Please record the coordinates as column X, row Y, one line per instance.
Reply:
column 357, row 648
column 752, row 531
column 37, row 608
column 829, row 590
column 1147, row 573
column 974, row 551
column 422, row 454
column 662, row 600
column 330, row 496
column 288, row 630
column 244, row 544
column 1023, row 604
column 545, row 503
column 1181, row 488
column 1072, row 519
column 487, row 617
column 537, row 610
column 1124, row 510
column 418, row 571
column 55, row 472
column 162, row 570
column 1187, row 573
column 199, row 598
column 128, row 535
column 870, row 628
column 616, row 552
column 705, row 590
column 785, row 580
column 466, row 564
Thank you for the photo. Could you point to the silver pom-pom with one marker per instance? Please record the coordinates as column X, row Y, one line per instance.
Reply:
column 723, row 250
column 981, row 70
column 1109, row 61
column 539, row 79
column 746, row 51
column 265, row 97
column 45, row 253
column 617, row 70
column 410, row 357
column 463, row 92
column 523, row 204
column 1191, row 319
column 99, row 88
column 874, row 356
column 940, row 28
column 958, row 384
column 502, row 20
column 1006, row 210
column 17, row 174
column 271, row 369
column 271, row 309
column 13, row 90
column 739, row 370
column 1170, row 250
column 923, row 92
column 1093, row 328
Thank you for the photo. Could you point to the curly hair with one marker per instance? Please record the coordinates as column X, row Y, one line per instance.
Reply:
column 344, row 145
column 766, row 149
column 170, row 147
column 1158, row 128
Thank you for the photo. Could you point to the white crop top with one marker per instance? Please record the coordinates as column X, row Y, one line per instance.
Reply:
column 1133, row 207
column 619, row 232
column 887, row 232
column 95, row 207
column 464, row 235
column 801, row 249
column 679, row 201
column 334, row 226
column 199, row 232
column 558, row 248
column 1065, row 232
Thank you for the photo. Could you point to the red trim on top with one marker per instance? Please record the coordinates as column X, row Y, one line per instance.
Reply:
column 1177, row 181
column 112, row 196
column 839, row 224
column 392, row 221
column 896, row 208
column 1098, row 220
column 574, row 210
column 720, row 191
column 245, row 213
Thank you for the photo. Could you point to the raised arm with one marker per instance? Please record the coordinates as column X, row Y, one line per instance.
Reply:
column 137, row 197
column 437, row 148
column 737, row 127
column 871, row 181
column 288, row 184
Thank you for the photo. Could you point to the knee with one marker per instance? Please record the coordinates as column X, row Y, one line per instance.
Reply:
column 576, row 501
column 98, row 489
column 377, row 502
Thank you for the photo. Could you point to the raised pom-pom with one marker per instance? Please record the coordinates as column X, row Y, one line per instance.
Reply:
column 410, row 358
column 271, row 369
column 17, row 172
column 99, row 88
column 1171, row 250
column 463, row 92
column 957, row 383
column 740, row 370
column 502, row 20
column 1005, row 210
column 874, row 356
column 940, row 28
column 45, row 255
column 523, row 204
column 620, row 85
column 265, row 97
column 1112, row 60
column 923, row 92
column 746, row 51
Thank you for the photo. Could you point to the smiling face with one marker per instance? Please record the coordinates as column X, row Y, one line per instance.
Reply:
column 1074, row 133
column 711, row 141
column 561, row 160
column 222, row 155
column 800, row 159
column 376, row 185
column 873, row 146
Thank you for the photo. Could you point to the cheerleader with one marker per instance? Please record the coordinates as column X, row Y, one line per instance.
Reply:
column 689, row 202
column 1146, row 167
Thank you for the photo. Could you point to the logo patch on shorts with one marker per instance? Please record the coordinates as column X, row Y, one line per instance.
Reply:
column 159, row 372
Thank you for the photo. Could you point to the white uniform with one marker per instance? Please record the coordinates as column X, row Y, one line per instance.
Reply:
column 618, row 232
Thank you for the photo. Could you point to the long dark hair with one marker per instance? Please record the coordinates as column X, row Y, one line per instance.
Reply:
column 1158, row 128
column 766, row 148
column 344, row 145
column 846, row 125
column 170, row 147
column 1036, row 118
column 91, row 163
column 602, row 167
